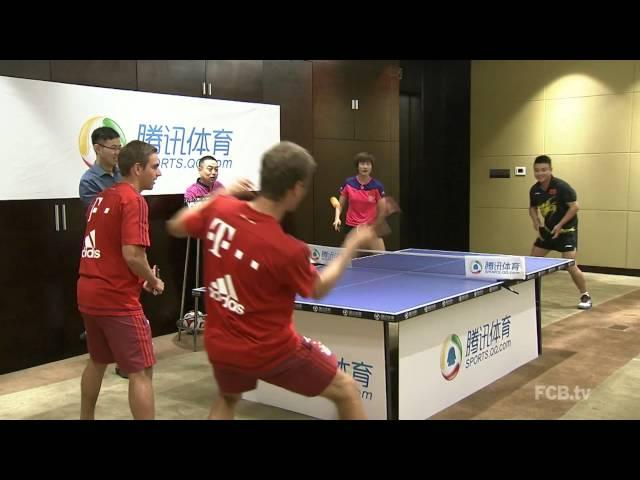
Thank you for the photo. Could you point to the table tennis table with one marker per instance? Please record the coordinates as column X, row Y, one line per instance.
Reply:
column 416, row 334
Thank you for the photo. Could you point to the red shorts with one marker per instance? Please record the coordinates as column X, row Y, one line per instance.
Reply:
column 124, row 340
column 308, row 371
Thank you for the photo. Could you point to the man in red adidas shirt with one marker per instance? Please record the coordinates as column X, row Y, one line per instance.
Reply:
column 113, row 270
column 253, row 271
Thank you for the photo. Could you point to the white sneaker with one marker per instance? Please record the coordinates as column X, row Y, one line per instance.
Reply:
column 585, row 302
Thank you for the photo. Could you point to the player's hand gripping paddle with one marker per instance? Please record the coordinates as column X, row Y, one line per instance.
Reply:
column 389, row 207
column 156, row 272
column 145, row 285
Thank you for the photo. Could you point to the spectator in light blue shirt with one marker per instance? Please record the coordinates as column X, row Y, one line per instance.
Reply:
column 104, row 172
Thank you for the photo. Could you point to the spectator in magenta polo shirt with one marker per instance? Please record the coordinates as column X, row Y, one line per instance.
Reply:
column 206, row 183
column 363, row 194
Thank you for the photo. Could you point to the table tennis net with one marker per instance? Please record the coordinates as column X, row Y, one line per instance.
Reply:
column 403, row 261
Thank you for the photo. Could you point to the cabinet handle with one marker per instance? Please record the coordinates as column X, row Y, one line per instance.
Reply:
column 357, row 104
column 64, row 217
column 209, row 89
column 204, row 91
column 353, row 104
column 57, row 218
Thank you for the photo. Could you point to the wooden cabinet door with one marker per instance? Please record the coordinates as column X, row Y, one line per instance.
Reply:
column 30, row 333
column 288, row 83
column 67, row 248
column 33, row 69
column 373, row 84
column 179, row 77
column 335, row 164
column 376, row 87
column 39, row 319
column 168, row 253
column 333, row 116
column 235, row 80
column 97, row 73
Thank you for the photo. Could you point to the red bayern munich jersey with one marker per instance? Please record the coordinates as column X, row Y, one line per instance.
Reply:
column 107, row 287
column 252, row 272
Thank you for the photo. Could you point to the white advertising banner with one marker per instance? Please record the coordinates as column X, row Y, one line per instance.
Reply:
column 501, row 267
column 46, row 135
column 451, row 353
column 359, row 347
column 324, row 255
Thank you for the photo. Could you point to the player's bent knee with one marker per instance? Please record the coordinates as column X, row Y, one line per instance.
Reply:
column 98, row 366
column 140, row 375
column 231, row 397
column 342, row 387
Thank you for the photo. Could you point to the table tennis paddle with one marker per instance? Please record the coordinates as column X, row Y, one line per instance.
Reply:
column 544, row 233
column 390, row 207
column 156, row 272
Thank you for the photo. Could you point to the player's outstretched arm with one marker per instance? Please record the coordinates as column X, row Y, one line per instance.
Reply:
column 328, row 276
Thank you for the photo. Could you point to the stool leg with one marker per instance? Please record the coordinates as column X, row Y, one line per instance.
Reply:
column 195, row 325
column 197, row 284
column 184, row 285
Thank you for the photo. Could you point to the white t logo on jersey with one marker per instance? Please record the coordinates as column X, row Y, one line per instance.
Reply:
column 218, row 230
column 94, row 207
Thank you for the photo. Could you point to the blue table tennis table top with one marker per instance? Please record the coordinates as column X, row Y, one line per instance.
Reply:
column 371, row 288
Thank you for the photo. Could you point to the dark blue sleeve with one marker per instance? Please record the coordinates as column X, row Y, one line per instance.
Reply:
column 532, row 201
column 88, row 189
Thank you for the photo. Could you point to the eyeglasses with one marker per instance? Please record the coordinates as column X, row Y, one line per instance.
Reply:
column 115, row 148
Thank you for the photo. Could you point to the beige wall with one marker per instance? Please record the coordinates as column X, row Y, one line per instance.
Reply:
column 586, row 116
